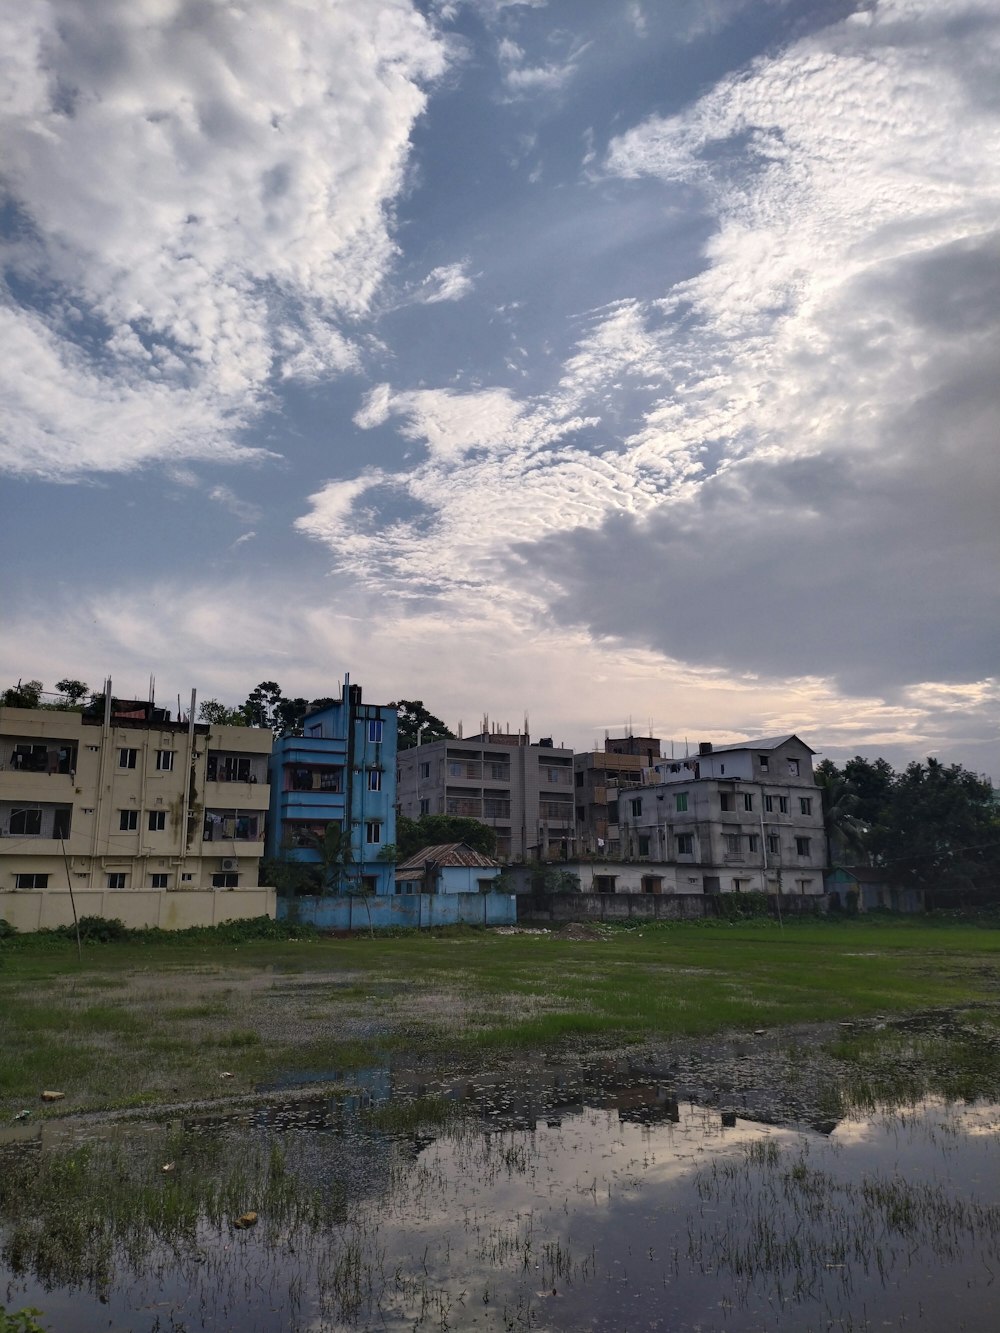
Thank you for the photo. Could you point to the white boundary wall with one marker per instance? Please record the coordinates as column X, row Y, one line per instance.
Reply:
column 136, row 908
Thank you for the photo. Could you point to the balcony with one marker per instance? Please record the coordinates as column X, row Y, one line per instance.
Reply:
column 456, row 805
column 30, row 822
column 225, row 826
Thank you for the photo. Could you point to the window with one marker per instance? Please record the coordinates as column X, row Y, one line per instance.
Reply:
column 165, row 761
column 732, row 841
column 681, row 802
column 753, row 842
column 804, row 885
column 802, row 846
column 793, row 767
column 635, row 805
column 762, row 761
column 652, row 883
column 605, row 883
column 685, row 844
column 28, row 822
column 375, row 731
column 158, row 881
column 727, row 801
column 316, row 729
column 31, row 881
column 805, row 805
column 769, row 804
column 126, row 758
column 425, row 770
column 425, row 806
column 722, row 768
column 773, row 843
column 373, row 832
column 747, row 800
column 581, row 814
column 613, row 811
column 187, row 878
column 374, row 779
column 579, row 778
column 740, row 884
column 226, row 880
column 128, row 820
column 643, row 844
column 116, row 880
column 157, row 821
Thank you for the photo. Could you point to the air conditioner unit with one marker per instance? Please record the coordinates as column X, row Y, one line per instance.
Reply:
column 230, row 863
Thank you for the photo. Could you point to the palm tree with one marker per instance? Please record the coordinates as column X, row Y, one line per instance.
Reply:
column 844, row 831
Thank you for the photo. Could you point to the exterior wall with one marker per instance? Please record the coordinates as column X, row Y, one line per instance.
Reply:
column 132, row 799
column 409, row 910
column 142, row 908
column 755, row 828
column 599, row 779
column 608, row 877
column 523, row 792
column 342, row 770
column 556, row 909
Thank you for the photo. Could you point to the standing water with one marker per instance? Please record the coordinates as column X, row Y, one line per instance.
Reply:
column 594, row 1196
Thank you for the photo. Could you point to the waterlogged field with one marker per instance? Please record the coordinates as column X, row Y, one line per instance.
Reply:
column 509, row 1132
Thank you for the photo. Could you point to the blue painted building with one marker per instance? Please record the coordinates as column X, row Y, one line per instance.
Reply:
column 342, row 771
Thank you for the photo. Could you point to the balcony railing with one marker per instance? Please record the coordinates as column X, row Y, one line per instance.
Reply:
column 457, row 806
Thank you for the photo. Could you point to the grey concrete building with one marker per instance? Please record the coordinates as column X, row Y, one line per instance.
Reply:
column 523, row 791
column 735, row 818
column 599, row 779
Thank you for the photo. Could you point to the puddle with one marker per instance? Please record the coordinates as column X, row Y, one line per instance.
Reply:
column 591, row 1196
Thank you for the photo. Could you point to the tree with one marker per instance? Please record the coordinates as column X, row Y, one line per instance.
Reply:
column 266, row 706
column 433, row 830
column 291, row 879
column 415, row 721
column 74, row 690
column 845, row 832
column 25, row 694
column 260, row 709
column 940, row 832
column 219, row 715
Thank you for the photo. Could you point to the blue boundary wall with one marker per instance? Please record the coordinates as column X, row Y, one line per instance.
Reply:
column 413, row 910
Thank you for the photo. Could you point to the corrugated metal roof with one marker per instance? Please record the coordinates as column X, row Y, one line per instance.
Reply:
column 446, row 854
column 764, row 743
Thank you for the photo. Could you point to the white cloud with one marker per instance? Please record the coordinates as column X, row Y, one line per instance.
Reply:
column 205, row 191
column 449, row 282
column 276, row 630
column 838, row 340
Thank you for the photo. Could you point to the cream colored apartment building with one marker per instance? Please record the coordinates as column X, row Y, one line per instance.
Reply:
column 126, row 799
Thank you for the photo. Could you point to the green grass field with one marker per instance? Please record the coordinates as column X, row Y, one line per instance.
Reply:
column 143, row 1024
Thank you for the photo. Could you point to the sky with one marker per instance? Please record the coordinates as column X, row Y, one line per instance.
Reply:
column 623, row 364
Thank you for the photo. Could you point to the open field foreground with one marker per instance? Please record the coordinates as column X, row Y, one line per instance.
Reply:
column 144, row 1025
column 721, row 1129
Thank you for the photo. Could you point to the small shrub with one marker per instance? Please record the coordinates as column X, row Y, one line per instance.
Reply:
column 741, row 906
column 20, row 1321
column 6, row 929
column 98, row 930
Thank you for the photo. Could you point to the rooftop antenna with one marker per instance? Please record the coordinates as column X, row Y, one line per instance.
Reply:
column 152, row 689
